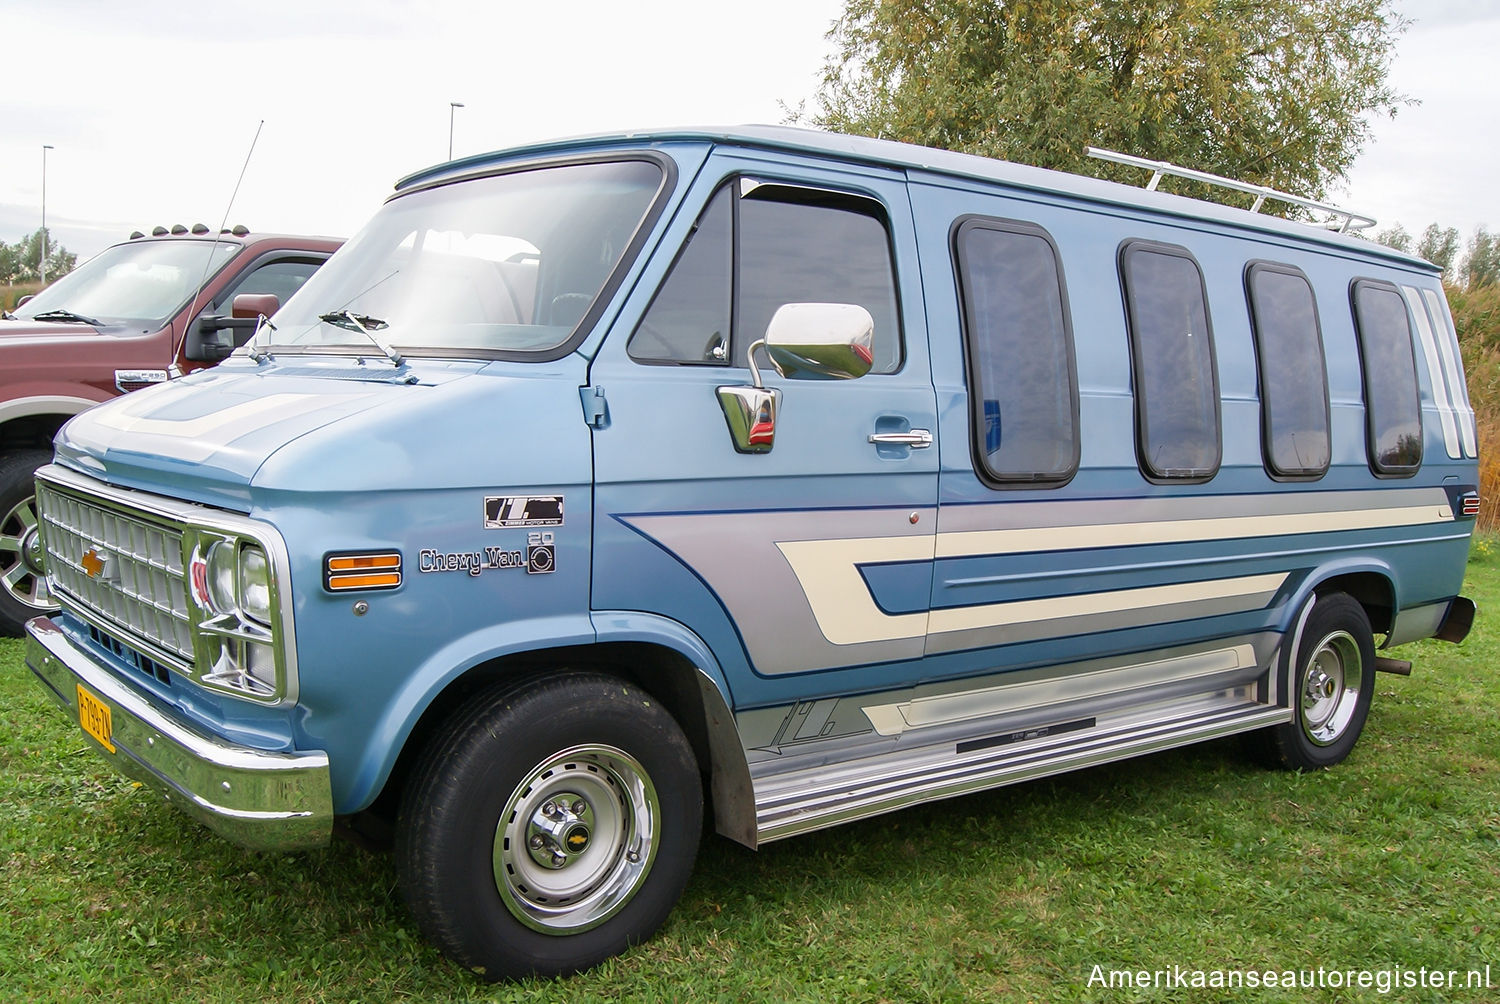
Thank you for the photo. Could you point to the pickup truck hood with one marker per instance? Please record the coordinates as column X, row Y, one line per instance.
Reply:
column 45, row 332
column 205, row 436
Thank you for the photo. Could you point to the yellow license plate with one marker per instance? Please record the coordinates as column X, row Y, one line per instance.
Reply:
column 94, row 716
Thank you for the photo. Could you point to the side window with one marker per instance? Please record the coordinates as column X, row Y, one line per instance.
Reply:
column 1393, row 422
column 1293, row 375
column 279, row 278
column 1022, row 378
column 758, row 246
column 1172, row 358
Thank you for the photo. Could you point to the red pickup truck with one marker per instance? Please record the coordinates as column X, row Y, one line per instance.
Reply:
column 138, row 313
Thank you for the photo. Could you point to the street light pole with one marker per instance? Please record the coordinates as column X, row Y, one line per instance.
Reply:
column 452, row 107
column 42, row 265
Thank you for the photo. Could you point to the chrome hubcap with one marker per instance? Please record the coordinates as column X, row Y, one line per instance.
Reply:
column 21, row 557
column 1330, row 688
column 576, row 839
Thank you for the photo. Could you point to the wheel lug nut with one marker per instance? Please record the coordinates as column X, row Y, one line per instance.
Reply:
column 579, row 808
column 536, row 843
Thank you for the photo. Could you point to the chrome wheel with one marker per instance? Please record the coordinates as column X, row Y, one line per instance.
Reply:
column 21, row 557
column 576, row 839
column 1331, row 681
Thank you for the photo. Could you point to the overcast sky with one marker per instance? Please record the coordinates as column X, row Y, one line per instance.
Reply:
column 151, row 106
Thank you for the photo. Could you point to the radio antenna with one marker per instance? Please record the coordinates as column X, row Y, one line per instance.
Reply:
column 208, row 260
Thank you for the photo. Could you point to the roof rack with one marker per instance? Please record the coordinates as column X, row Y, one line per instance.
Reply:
column 1160, row 169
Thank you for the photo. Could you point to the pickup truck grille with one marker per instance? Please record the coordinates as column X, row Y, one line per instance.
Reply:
column 137, row 584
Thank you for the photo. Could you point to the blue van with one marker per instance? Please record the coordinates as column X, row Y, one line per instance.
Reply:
column 802, row 477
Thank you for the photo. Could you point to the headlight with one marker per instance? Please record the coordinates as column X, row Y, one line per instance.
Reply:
column 221, row 576
column 255, row 584
column 231, row 582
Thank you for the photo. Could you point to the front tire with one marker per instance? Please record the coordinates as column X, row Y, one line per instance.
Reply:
column 23, row 585
column 549, row 828
column 1329, row 683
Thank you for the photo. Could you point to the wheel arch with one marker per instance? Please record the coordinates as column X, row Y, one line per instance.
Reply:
column 34, row 421
column 695, row 700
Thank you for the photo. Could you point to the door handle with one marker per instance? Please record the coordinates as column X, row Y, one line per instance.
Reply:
column 917, row 439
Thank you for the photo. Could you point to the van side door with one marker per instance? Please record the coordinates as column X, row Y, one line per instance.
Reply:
column 804, row 544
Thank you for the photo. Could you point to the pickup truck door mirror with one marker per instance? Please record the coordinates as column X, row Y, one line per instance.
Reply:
column 804, row 341
column 214, row 337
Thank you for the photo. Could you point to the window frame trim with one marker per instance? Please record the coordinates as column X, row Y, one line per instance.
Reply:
column 1138, row 390
column 956, row 233
column 1252, row 267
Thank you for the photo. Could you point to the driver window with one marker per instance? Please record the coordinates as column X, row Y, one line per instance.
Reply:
column 279, row 278
column 756, row 247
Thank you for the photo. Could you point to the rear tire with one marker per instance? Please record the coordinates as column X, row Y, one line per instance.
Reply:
column 550, row 827
column 24, row 593
column 1329, row 685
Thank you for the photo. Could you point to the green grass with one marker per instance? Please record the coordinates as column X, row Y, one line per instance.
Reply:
column 1194, row 858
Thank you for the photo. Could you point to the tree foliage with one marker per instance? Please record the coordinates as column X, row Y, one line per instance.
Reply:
column 1274, row 92
column 1439, row 245
column 21, row 261
column 1482, row 260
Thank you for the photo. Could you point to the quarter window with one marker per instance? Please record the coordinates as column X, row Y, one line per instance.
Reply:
column 1293, row 377
column 756, row 247
column 1172, row 356
column 1393, row 424
column 1022, row 381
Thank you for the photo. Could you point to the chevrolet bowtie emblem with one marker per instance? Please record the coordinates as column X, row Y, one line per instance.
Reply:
column 93, row 564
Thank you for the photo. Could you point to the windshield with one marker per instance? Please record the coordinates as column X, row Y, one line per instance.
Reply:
column 508, row 263
column 141, row 283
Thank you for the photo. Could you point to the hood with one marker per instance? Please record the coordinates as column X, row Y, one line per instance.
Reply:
column 45, row 332
column 205, row 436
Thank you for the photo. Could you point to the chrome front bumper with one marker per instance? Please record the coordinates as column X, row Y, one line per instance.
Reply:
column 258, row 799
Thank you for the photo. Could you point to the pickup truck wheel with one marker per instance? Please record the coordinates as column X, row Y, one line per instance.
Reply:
column 23, row 585
column 550, row 828
column 1329, row 683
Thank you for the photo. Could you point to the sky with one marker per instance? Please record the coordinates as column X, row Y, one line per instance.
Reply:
column 152, row 107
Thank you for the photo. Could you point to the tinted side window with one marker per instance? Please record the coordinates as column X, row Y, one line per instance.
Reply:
column 1172, row 355
column 279, row 278
column 688, row 321
column 1022, row 383
column 804, row 246
column 1293, row 377
column 1393, row 422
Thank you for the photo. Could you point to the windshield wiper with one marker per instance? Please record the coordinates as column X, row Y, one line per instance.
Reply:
column 65, row 316
column 367, row 326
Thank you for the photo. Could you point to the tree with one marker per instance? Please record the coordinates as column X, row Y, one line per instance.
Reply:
column 1274, row 92
column 1482, row 261
column 1439, row 245
column 21, row 261
column 1395, row 236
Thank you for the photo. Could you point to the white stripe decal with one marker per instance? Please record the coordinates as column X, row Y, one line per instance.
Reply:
column 828, row 571
column 974, row 543
column 1255, row 590
column 846, row 613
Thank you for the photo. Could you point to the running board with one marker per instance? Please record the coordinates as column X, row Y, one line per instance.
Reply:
column 794, row 802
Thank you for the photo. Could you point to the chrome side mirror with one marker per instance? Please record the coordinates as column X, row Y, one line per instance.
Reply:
column 804, row 341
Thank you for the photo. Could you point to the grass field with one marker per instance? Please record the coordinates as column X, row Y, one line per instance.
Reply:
column 1196, row 858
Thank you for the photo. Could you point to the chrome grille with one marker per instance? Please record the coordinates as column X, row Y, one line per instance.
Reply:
column 141, row 591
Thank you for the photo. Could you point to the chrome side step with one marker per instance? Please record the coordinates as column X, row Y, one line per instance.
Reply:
column 793, row 801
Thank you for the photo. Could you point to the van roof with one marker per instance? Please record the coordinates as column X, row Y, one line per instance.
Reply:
column 907, row 156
